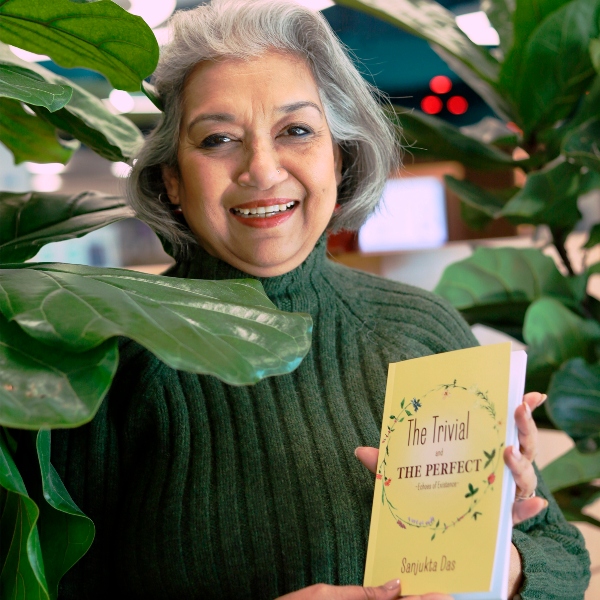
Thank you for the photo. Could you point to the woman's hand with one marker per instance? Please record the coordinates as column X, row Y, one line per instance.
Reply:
column 388, row 591
column 520, row 460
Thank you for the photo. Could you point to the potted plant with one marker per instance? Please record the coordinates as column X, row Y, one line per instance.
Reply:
column 59, row 323
column 543, row 83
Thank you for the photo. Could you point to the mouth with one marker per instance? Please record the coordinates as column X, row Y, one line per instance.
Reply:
column 263, row 212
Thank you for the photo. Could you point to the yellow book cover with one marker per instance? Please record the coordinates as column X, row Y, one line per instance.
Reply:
column 441, row 518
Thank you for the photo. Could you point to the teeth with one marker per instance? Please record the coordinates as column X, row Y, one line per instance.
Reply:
column 264, row 211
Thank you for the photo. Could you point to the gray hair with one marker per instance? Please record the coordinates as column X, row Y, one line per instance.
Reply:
column 244, row 29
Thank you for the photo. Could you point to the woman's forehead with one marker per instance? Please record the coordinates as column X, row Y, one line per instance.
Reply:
column 273, row 81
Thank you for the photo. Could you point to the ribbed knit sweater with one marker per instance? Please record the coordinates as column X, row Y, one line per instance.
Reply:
column 203, row 490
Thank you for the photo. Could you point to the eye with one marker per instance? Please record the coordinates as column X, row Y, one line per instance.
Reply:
column 214, row 141
column 297, row 131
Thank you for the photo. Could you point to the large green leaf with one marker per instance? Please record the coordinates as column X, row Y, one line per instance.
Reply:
column 572, row 468
column 22, row 574
column 496, row 285
column 548, row 197
column 65, row 532
column 573, row 402
column 528, row 15
column 554, row 335
column 583, row 144
column 432, row 22
column 225, row 328
column 492, row 131
column 25, row 85
column 431, row 138
column 42, row 386
column 485, row 204
column 84, row 117
column 98, row 35
column 30, row 138
column 574, row 499
column 557, row 67
column 595, row 54
column 29, row 221
column 500, row 13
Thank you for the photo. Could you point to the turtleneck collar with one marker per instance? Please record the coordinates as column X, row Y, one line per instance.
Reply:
column 201, row 265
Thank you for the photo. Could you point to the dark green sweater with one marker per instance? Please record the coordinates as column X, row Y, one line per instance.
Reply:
column 202, row 490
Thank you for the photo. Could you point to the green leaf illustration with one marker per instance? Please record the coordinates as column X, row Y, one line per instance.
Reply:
column 490, row 458
column 472, row 491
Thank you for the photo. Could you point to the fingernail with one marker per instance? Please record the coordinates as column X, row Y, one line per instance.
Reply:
column 527, row 410
column 545, row 503
column 544, row 396
column 355, row 449
column 516, row 452
column 392, row 585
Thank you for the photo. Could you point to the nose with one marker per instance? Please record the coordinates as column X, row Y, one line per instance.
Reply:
column 261, row 168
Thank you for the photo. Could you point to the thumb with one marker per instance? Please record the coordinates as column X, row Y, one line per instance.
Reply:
column 368, row 457
column 387, row 591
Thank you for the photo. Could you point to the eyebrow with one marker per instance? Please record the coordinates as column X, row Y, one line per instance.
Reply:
column 229, row 118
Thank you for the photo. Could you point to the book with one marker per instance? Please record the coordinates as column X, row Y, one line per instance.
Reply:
column 442, row 507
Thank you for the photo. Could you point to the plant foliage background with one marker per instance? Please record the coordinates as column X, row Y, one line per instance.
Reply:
column 543, row 83
column 59, row 324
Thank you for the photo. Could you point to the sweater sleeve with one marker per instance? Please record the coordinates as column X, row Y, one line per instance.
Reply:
column 556, row 564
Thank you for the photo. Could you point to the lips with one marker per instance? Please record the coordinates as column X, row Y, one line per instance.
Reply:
column 264, row 213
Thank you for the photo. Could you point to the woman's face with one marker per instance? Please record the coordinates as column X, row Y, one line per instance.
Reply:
column 258, row 169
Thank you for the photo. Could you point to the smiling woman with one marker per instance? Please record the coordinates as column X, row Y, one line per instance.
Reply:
column 257, row 172
column 200, row 489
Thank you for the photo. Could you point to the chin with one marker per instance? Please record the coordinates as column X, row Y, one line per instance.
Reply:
column 270, row 263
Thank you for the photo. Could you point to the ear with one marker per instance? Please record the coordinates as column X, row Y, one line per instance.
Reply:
column 170, row 177
column 337, row 163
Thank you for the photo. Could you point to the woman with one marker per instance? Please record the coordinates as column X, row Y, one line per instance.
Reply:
column 203, row 490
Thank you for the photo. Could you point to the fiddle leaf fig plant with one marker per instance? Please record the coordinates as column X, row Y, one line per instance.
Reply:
column 59, row 324
column 543, row 83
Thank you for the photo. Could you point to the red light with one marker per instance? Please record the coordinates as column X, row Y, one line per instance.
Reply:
column 457, row 105
column 431, row 105
column 440, row 84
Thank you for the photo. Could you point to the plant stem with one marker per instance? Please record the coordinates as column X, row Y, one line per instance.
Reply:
column 559, row 237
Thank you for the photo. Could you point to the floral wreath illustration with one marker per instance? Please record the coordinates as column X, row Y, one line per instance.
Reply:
column 475, row 494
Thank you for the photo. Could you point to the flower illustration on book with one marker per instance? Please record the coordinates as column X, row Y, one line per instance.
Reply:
column 476, row 490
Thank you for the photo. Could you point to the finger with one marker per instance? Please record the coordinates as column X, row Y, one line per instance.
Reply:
column 527, row 509
column 534, row 399
column 322, row 591
column 522, row 470
column 428, row 597
column 368, row 456
column 528, row 433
